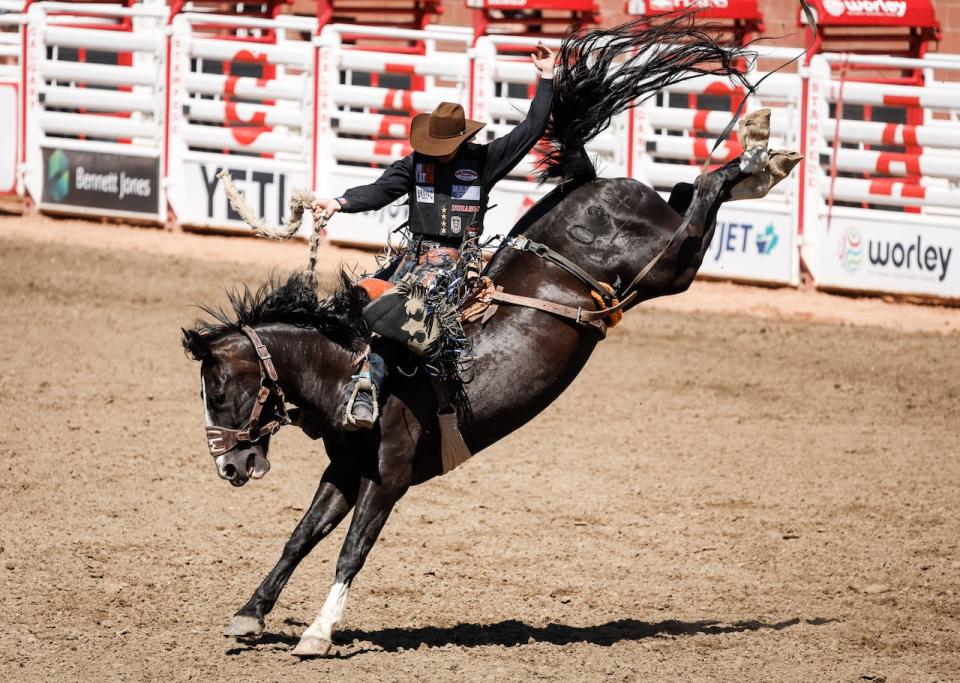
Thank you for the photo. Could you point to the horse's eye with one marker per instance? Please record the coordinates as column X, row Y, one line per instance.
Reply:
column 219, row 399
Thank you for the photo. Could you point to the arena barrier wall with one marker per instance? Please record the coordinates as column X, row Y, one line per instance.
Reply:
column 894, row 222
column 93, row 109
column 282, row 106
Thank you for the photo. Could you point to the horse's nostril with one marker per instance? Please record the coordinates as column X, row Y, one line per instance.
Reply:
column 229, row 471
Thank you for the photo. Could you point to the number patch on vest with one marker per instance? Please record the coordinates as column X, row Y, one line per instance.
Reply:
column 466, row 192
column 425, row 194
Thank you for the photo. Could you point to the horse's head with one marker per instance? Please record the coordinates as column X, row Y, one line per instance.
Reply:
column 242, row 403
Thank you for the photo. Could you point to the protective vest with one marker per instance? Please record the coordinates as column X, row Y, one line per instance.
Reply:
column 447, row 201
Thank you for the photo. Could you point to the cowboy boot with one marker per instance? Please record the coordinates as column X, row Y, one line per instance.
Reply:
column 363, row 406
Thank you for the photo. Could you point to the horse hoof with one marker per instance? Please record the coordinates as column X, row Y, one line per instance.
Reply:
column 242, row 625
column 311, row 646
column 753, row 160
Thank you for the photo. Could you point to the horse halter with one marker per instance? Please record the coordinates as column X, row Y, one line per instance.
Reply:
column 221, row 440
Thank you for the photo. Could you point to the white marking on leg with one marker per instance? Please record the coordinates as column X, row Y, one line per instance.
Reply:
column 330, row 614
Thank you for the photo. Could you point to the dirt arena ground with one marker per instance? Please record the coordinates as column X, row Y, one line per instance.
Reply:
column 743, row 484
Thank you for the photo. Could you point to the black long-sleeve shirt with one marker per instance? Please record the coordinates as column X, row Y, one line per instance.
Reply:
column 502, row 155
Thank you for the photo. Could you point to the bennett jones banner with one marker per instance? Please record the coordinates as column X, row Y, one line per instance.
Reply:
column 891, row 257
column 751, row 245
column 9, row 138
column 100, row 180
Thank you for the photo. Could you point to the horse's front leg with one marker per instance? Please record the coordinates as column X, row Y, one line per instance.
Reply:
column 335, row 497
column 374, row 504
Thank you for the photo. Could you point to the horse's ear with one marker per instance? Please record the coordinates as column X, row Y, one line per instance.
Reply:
column 195, row 345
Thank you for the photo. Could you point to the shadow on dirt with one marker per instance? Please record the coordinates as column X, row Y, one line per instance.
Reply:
column 512, row 633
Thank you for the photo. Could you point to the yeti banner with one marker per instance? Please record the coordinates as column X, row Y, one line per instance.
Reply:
column 99, row 180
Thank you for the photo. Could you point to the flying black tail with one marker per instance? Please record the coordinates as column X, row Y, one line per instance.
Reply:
column 603, row 72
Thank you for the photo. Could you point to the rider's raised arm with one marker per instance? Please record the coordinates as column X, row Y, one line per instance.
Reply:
column 506, row 152
column 394, row 183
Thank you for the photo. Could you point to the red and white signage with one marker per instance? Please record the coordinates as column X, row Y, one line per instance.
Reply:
column 916, row 13
column 907, row 257
column 708, row 9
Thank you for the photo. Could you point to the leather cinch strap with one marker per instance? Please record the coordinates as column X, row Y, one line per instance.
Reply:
column 589, row 318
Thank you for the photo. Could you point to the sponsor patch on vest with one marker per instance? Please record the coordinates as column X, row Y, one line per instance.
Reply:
column 455, row 225
column 465, row 208
column 425, row 174
column 467, row 192
column 425, row 194
column 466, row 174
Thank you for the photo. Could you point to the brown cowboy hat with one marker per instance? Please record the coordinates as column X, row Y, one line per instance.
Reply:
column 441, row 132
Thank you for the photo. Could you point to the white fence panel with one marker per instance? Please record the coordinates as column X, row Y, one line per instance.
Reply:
column 241, row 105
column 9, row 142
column 894, row 222
column 365, row 100
column 94, row 109
column 12, row 21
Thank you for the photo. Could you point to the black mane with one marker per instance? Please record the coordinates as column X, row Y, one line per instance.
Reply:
column 293, row 301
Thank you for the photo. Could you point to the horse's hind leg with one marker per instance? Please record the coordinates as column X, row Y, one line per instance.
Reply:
column 703, row 221
column 374, row 504
column 334, row 499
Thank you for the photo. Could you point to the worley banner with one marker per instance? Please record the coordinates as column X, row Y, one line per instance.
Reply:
column 111, row 183
column 900, row 256
column 752, row 245
column 8, row 140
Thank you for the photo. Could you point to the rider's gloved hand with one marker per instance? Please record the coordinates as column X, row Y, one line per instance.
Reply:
column 543, row 59
column 325, row 207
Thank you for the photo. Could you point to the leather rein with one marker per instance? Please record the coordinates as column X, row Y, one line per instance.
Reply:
column 221, row 440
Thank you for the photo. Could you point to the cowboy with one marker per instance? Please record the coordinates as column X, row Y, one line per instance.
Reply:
column 447, row 179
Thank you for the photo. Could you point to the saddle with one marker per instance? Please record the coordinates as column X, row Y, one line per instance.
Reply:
column 480, row 302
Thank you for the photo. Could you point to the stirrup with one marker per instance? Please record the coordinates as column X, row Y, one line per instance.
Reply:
column 361, row 381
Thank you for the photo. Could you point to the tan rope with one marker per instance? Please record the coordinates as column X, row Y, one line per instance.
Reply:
column 300, row 201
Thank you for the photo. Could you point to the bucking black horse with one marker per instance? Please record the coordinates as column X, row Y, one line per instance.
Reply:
column 283, row 344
